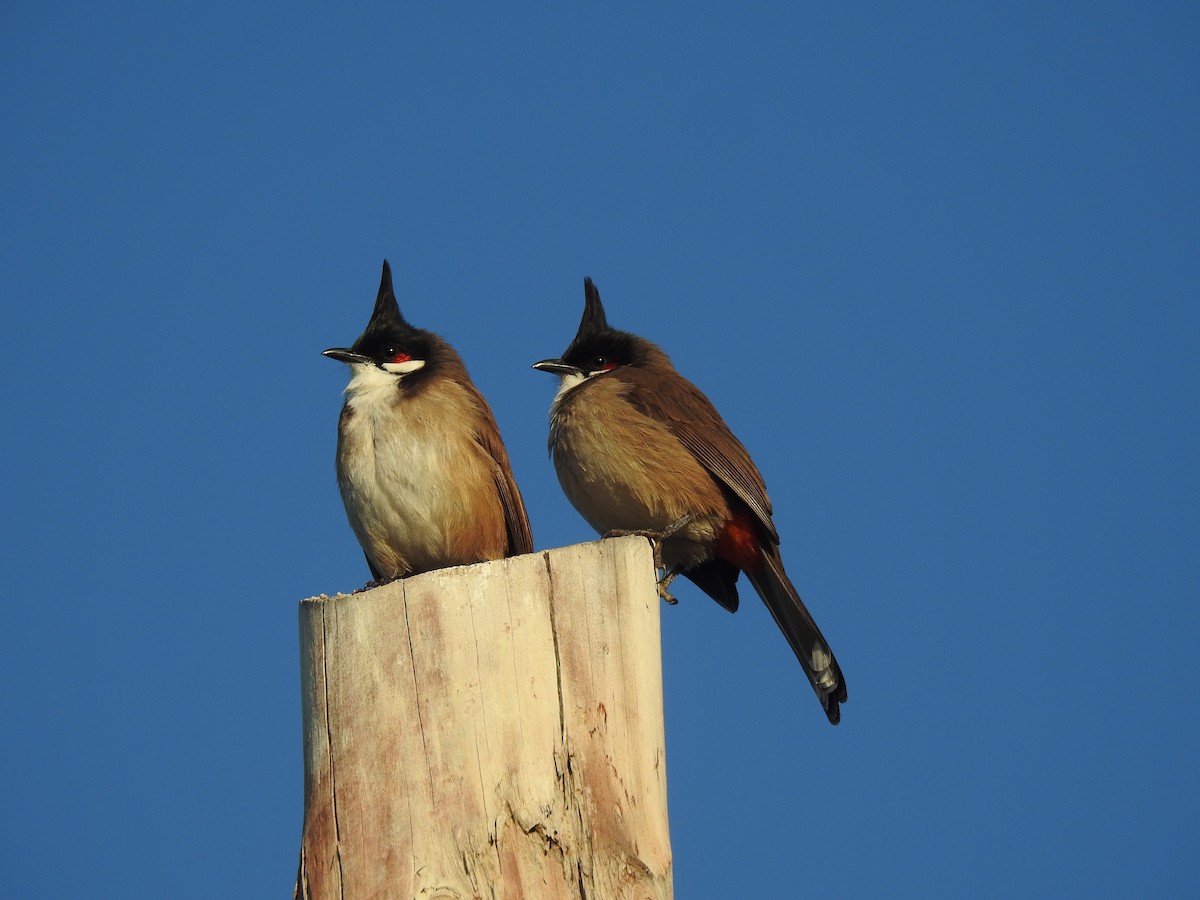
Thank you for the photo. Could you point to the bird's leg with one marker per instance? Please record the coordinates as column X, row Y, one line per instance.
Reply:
column 656, row 543
column 656, row 537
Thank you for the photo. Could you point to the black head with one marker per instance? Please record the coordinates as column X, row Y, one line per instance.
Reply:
column 389, row 342
column 597, row 348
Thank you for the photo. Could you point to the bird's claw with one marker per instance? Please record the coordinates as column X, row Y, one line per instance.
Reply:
column 656, row 539
column 376, row 582
column 662, row 585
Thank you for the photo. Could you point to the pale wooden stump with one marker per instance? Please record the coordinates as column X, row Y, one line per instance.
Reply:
column 490, row 731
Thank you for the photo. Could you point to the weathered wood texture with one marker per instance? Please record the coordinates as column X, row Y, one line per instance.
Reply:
column 490, row 731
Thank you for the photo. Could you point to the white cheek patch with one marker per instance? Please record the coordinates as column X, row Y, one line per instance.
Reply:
column 404, row 368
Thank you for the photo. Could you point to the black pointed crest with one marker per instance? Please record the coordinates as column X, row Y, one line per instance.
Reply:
column 386, row 321
column 597, row 347
column 387, row 310
column 593, row 321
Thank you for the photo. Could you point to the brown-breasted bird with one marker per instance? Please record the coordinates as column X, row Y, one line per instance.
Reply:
column 421, row 467
column 638, row 448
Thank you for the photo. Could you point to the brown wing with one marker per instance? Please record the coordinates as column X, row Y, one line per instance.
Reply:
column 691, row 417
column 516, row 520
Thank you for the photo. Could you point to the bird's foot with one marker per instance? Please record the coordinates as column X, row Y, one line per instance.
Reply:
column 378, row 582
column 664, row 583
column 656, row 538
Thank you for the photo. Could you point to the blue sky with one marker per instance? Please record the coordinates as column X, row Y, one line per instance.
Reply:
column 935, row 263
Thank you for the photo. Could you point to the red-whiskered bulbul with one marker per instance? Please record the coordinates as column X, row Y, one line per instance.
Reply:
column 420, row 464
column 638, row 448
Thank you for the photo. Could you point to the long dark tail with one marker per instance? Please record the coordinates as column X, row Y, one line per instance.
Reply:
column 797, row 625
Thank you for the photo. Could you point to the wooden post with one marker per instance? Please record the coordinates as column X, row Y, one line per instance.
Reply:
column 490, row 731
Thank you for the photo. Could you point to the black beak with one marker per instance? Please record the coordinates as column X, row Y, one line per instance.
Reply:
column 557, row 367
column 347, row 356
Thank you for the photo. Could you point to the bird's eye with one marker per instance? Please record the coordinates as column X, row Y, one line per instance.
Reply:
column 602, row 364
column 395, row 354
